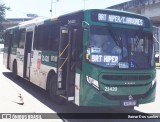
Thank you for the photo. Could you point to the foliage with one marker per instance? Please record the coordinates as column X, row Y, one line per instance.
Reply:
column 3, row 9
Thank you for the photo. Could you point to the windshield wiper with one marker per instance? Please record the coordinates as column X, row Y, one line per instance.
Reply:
column 116, row 39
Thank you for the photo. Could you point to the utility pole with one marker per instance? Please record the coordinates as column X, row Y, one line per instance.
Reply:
column 84, row 4
column 51, row 10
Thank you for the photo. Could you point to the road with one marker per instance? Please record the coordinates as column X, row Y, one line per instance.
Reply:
column 36, row 100
column 152, row 107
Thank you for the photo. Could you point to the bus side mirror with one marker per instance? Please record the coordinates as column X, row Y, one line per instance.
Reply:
column 85, row 25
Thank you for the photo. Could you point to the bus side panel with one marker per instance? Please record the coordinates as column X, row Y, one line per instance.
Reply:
column 47, row 64
column 5, row 55
column 12, row 58
column 7, row 49
column 35, row 66
column 20, row 61
column 40, row 68
column 43, row 73
column 77, row 89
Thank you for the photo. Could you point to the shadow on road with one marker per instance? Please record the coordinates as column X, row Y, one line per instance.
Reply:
column 43, row 97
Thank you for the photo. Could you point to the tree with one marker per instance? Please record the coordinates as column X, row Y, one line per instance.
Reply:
column 3, row 9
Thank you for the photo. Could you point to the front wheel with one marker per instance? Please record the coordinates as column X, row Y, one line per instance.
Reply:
column 52, row 91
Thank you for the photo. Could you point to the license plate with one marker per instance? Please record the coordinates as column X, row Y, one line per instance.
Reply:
column 129, row 103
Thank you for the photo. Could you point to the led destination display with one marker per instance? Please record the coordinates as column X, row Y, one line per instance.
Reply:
column 118, row 18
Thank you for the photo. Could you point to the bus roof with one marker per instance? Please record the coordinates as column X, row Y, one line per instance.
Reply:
column 41, row 20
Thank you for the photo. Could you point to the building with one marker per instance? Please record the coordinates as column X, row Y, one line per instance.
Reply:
column 149, row 8
column 13, row 22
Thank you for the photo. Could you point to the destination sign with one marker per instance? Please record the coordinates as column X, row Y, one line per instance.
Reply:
column 120, row 19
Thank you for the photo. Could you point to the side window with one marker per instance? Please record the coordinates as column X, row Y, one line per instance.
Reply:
column 7, row 39
column 41, row 37
column 54, row 37
column 15, row 39
column 77, row 44
column 22, row 38
column 46, row 37
column 35, row 39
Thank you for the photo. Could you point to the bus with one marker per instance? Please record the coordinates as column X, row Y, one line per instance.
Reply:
column 95, row 57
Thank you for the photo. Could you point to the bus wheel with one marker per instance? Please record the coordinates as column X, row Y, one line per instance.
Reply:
column 52, row 92
column 14, row 72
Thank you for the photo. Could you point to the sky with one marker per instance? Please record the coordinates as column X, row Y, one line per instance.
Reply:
column 20, row 8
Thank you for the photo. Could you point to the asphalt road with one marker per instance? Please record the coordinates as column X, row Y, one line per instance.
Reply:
column 155, row 106
column 36, row 100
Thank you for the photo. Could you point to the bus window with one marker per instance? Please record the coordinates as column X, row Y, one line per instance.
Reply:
column 46, row 33
column 41, row 37
column 22, row 39
column 35, row 38
column 77, row 44
column 15, row 39
column 117, row 48
column 54, row 38
column 46, row 37
column 7, row 39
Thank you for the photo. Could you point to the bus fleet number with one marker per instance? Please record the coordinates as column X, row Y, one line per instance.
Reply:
column 110, row 88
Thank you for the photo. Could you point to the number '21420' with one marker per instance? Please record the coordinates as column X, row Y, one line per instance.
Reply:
column 110, row 88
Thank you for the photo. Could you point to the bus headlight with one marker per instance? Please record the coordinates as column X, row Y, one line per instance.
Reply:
column 93, row 82
column 153, row 82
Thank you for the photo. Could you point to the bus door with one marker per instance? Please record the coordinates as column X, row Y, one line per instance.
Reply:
column 8, row 43
column 67, row 62
column 75, row 51
column 27, row 54
column 63, row 57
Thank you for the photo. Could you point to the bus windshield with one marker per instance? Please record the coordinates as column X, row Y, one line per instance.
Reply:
column 120, row 48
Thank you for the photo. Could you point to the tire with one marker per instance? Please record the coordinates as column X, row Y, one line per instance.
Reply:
column 52, row 91
column 14, row 72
